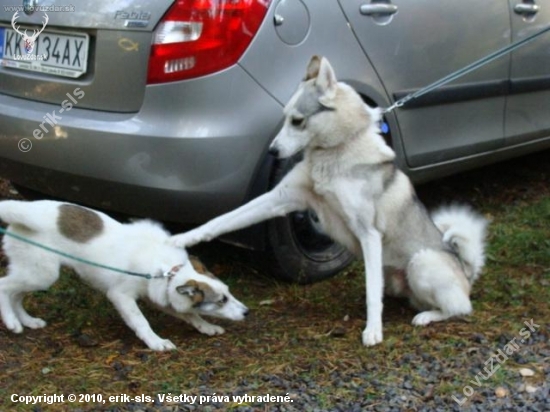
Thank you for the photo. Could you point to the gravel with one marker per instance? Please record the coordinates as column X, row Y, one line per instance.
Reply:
column 408, row 386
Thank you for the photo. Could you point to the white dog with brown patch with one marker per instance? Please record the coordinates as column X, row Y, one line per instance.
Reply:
column 140, row 247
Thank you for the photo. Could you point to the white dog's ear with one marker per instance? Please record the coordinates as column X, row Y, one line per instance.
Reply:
column 327, row 83
column 190, row 288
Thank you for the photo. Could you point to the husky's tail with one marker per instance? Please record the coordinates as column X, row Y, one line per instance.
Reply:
column 30, row 215
column 464, row 230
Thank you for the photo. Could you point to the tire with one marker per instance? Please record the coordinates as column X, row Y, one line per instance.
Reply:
column 299, row 251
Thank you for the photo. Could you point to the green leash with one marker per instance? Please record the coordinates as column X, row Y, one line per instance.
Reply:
column 79, row 259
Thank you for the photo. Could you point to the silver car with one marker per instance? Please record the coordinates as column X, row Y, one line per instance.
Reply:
column 165, row 109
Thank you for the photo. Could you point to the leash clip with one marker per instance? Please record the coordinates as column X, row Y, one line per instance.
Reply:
column 169, row 273
column 396, row 105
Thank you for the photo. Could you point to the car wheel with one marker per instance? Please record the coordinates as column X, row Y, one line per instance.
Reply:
column 299, row 250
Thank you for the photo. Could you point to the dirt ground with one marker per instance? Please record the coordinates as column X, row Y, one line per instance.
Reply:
column 303, row 343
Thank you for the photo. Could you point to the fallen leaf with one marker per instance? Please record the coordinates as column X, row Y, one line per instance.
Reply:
column 110, row 359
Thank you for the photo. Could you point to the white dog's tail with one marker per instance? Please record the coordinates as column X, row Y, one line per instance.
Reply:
column 464, row 230
column 32, row 215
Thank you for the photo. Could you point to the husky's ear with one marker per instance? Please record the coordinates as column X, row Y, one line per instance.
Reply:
column 326, row 81
column 313, row 68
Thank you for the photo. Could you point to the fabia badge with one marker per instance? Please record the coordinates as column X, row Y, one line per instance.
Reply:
column 29, row 40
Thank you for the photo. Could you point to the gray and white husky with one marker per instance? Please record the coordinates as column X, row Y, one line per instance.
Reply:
column 348, row 177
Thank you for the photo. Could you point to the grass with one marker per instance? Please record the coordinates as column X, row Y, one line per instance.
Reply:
column 306, row 333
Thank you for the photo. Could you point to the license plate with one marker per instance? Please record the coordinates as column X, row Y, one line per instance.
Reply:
column 60, row 54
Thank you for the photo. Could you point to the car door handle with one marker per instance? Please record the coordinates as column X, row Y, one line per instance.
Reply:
column 378, row 9
column 526, row 8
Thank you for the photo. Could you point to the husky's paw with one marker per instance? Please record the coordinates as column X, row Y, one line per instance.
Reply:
column 424, row 318
column 161, row 345
column 372, row 336
column 186, row 239
column 210, row 330
column 33, row 323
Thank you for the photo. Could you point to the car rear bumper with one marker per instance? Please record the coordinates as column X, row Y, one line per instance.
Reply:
column 189, row 154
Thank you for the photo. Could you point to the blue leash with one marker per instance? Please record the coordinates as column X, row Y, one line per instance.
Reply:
column 76, row 258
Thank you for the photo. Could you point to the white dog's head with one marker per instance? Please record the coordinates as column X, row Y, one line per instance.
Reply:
column 193, row 289
column 322, row 113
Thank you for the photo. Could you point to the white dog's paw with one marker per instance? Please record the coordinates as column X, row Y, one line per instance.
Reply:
column 372, row 336
column 13, row 324
column 186, row 239
column 34, row 323
column 210, row 330
column 423, row 318
column 161, row 345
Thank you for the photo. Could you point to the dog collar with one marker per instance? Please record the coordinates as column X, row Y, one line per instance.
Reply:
column 172, row 272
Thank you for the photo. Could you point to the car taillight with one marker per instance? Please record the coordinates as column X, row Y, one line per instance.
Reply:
column 198, row 37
